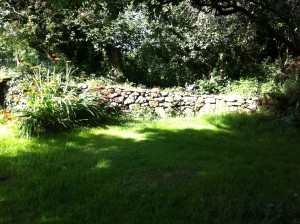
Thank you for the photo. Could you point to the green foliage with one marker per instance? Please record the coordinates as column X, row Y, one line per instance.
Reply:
column 273, row 20
column 287, row 99
column 266, row 80
column 184, row 45
column 52, row 104
column 5, row 116
column 177, row 46
column 48, row 29
column 6, row 72
column 163, row 58
column 214, row 84
column 250, row 87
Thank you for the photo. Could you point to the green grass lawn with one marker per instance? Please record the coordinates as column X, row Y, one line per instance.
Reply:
column 217, row 169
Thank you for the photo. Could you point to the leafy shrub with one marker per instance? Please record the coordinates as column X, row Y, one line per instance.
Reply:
column 52, row 104
column 5, row 116
column 6, row 72
column 213, row 85
column 287, row 99
column 263, row 79
column 250, row 87
column 245, row 87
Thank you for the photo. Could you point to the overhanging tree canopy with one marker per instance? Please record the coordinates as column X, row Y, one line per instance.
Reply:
column 78, row 29
column 275, row 19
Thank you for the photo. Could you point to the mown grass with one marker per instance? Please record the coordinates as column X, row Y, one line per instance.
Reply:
column 215, row 169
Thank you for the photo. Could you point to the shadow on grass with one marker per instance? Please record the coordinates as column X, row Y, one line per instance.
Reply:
column 236, row 173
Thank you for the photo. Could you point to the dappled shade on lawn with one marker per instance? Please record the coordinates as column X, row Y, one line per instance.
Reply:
column 229, row 169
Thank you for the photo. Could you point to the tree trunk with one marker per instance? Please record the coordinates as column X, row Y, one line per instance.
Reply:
column 114, row 57
column 3, row 90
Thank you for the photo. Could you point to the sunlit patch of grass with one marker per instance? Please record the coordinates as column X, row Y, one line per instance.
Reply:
column 132, row 134
column 6, row 131
column 45, row 219
column 102, row 164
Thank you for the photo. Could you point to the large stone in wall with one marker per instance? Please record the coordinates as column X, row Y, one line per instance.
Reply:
column 189, row 99
column 141, row 100
column 166, row 104
column 199, row 105
column 110, row 90
column 141, row 91
column 210, row 100
column 129, row 100
column 252, row 107
column 134, row 94
column 155, row 90
column 188, row 111
column 251, row 102
column 153, row 103
column 134, row 107
column 169, row 99
column 160, row 111
column 221, row 106
column 241, row 99
column 119, row 99
column 164, row 94
column 111, row 96
column 197, row 108
column 154, row 94
column 200, row 100
column 113, row 104
column 208, row 108
column 230, row 98
column 177, row 97
column 160, row 99
column 118, row 91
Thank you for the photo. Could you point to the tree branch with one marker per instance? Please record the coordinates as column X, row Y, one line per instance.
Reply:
column 232, row 7
column 13, row 9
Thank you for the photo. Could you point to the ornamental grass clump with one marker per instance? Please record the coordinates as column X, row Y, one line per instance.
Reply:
column 53, row 103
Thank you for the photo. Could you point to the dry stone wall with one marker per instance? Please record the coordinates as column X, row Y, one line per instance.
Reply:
column 162, row 102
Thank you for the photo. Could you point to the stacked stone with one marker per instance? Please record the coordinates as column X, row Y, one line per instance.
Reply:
column 162, row 102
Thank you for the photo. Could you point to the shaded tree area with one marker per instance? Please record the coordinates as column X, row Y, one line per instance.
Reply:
column 157, row 42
